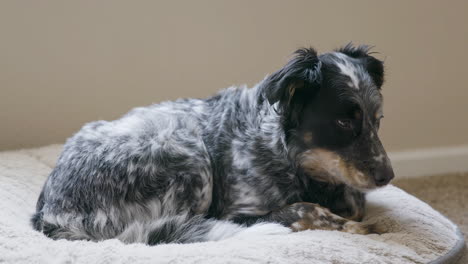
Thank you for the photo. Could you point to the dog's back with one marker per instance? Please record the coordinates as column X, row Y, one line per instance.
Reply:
column 148, row 165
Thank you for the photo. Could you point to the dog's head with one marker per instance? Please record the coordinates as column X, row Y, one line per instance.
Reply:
column 331, row 107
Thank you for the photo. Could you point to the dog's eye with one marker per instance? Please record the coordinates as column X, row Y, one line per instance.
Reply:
column 345, row 123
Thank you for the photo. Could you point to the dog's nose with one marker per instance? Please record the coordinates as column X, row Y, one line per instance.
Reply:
column 383, row 176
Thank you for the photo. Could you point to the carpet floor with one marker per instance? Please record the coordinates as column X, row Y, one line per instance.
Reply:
column 446, row 193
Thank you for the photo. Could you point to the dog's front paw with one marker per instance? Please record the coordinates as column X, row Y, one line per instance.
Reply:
column 362, row 228
column 313, row 216
column 310, row 216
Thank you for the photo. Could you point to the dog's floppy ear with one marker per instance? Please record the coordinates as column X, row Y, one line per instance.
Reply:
column 374, row 67
column 302, row 71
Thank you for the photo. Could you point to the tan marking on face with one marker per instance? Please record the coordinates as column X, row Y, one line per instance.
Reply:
column 292, row 89
column 325, row 165
column 307, row 137
column 357, row 176
column 357, row 114
column 378, row 114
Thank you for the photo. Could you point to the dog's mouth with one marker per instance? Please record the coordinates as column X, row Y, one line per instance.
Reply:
column 327, row 166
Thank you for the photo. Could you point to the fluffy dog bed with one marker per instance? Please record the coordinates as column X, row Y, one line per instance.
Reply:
column 416, row 233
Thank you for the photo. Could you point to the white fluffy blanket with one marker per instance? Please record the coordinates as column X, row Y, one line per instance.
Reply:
column 416, row 232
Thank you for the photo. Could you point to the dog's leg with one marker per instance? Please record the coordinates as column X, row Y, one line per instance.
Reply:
column 342, row 200
column 349, row 204
column 302, row 216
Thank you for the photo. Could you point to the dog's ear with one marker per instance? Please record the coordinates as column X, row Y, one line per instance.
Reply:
column 301, row 72
column 374, row 67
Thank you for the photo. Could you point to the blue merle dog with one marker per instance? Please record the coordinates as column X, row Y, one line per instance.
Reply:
column 299, row 149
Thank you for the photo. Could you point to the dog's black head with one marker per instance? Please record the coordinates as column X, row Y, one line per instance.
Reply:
column 331, row 107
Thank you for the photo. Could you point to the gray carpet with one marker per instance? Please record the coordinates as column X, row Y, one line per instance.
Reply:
column 446, row 193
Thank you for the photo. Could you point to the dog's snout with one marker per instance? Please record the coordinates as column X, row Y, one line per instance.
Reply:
column 384, row 175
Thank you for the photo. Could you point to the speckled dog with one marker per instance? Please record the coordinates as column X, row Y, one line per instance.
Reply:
column 299, row 149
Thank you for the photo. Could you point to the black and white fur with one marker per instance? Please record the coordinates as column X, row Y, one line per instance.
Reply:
column 298, row 149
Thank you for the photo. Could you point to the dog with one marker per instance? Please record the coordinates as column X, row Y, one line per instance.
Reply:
column 300, row 149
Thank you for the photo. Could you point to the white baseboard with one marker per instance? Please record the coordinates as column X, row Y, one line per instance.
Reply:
column 426, row 162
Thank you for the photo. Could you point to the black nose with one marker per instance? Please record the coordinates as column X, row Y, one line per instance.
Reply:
column 383, row 176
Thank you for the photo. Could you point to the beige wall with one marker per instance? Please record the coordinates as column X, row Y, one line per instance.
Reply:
column 64, row 63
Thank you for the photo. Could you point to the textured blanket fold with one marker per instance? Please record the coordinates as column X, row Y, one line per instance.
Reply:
column 416, row 233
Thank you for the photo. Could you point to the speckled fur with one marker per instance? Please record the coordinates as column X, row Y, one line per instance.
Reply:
column 196, row 170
